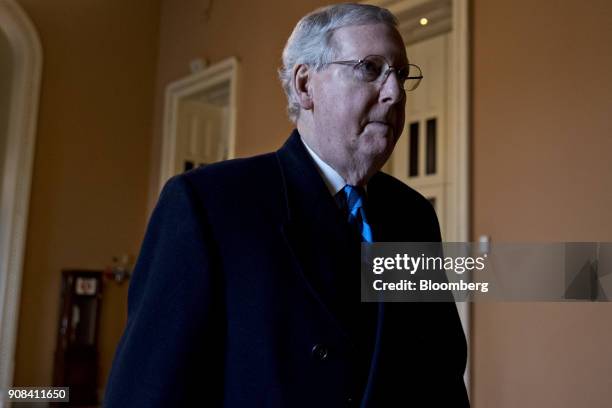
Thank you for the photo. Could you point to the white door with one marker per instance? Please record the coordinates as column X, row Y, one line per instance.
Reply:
column 420, row 158
column 201, row 134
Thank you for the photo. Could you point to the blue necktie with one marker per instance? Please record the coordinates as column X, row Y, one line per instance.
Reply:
column 356, row 213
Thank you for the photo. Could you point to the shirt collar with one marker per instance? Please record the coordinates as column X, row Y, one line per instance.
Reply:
column 332, row 179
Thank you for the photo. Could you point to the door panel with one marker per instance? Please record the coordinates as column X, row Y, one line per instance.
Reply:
column 201, row 134
column 420, row 158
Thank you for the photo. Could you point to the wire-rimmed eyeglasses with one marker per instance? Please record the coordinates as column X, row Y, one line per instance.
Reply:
column 375, row 68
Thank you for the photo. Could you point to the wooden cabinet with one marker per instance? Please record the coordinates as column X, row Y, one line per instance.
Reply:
column 76, row 353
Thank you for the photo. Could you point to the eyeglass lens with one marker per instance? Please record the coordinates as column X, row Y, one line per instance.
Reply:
column 373, row 68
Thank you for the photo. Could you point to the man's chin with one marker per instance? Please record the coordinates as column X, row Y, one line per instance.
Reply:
column 377, row 155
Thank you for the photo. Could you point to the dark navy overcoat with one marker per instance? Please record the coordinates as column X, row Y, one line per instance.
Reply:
column 246, row 294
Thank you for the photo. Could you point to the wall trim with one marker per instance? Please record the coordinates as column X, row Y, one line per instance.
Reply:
column 17, row 173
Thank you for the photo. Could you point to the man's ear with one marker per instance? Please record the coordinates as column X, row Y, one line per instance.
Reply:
column 302, row 85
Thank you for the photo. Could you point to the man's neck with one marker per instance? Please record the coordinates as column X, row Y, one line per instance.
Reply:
column 334, row 181
column 352, row 173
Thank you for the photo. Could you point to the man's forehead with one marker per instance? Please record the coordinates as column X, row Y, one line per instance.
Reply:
column 358, row 41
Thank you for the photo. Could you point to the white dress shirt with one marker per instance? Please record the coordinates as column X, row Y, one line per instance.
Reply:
column 333, row 180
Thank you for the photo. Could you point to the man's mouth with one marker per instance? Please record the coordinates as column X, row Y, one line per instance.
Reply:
column 380, row 123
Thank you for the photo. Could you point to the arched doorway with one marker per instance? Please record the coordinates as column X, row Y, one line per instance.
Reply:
column 20, row 72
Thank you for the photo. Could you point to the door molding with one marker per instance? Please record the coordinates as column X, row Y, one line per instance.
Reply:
column 197, row 83
column 459, row 121
column 26, row 60
column 459, row 103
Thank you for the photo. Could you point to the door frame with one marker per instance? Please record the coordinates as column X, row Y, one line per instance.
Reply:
column 459, row 106
column 459, row 121
column 16, row 173
column 184, row 88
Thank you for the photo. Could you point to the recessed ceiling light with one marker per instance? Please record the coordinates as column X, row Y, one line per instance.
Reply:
column 424, row 21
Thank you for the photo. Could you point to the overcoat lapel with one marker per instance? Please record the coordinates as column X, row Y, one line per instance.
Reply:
column 316, row 233
column 328, row 252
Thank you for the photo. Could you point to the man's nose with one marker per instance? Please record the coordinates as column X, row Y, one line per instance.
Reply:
column 391, row 90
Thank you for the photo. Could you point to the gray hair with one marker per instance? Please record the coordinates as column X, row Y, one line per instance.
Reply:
column 311, row 40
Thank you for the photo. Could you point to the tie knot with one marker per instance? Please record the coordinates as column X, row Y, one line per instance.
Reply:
column 354, row 197
column 356, row 212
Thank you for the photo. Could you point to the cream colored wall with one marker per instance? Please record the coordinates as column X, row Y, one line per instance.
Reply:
column 91, row 169
column 542, row 138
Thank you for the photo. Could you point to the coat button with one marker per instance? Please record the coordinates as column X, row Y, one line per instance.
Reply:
column 320, row 352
